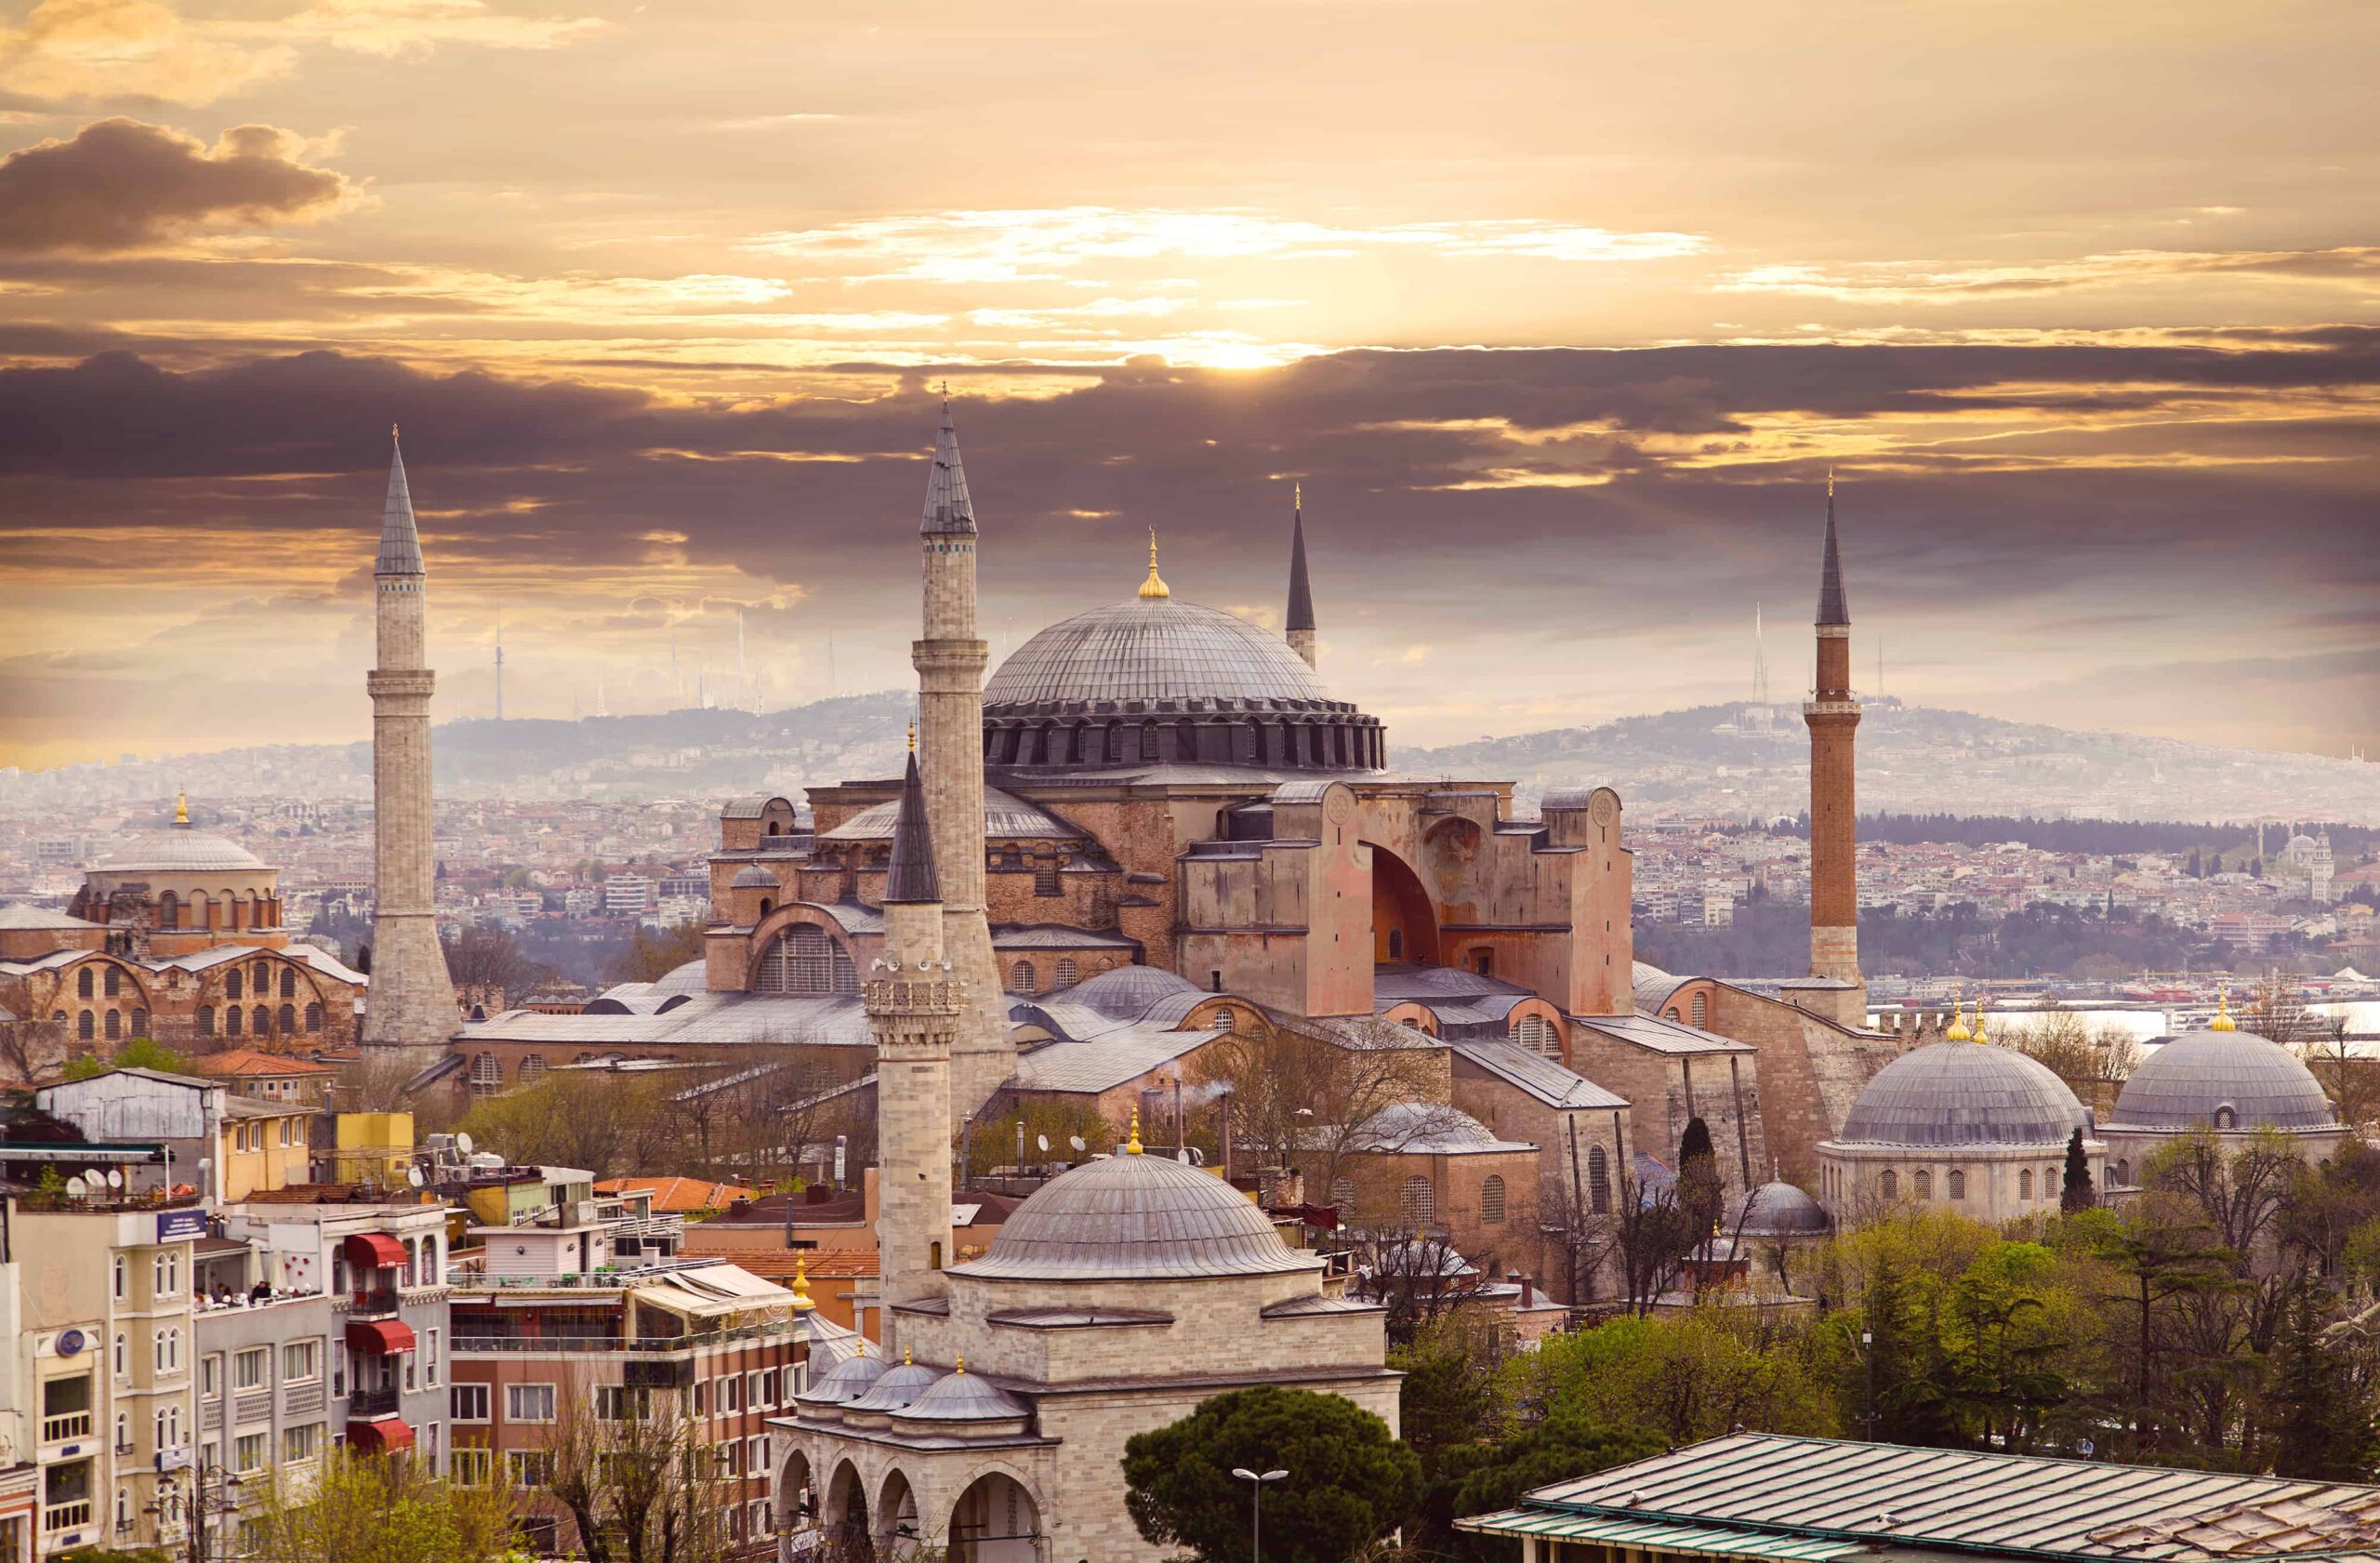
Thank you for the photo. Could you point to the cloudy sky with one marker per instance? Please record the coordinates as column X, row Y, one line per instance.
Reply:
column 1560, row 313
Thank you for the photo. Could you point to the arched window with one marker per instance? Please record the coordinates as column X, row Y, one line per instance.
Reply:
column 169, row 910
column 1958, row 1181
column 1702, row 1009
column 1537, row 1033
column 1019, row 978
column 115, row 1026
column 231, row 984
column 532, row 1066
column 1671, row 1013
column 2124, row 1174
column 261, row 1021
column 112, row 985
column 122, row 1355
column 1226, row 1019
column 139, row 1021
column 206, row 1020
column 124, row 1432
column 2225, row 1116
column 314, row 1017
column 1491, row 1201
column 124, row 1507
column 1598, row 1181
column 86, row 1025
column 83, row 984
column 1924, row 1183
column 487, row 1074
column 2025, row 1184
column 288, row 1017
column 1416, row 1202
column 1045, row 877
column 288, row 983
column 1069, row 972
column 1397, row 943
column 261, row 974
column 805, row 958
column 1888, row 1186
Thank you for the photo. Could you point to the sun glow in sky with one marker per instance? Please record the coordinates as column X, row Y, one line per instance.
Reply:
column 1559, row 312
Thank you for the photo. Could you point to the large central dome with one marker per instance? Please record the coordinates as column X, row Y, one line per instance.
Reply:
column 1963, row 1093
column 1153, row 648
column 1135, row 1217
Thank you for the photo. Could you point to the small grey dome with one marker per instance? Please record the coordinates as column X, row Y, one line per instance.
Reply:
column 1130, row 992
column 898, row 1389
column 753, row 877
column 1963, row 1093
column 1135, row 1217
column 846, row 1380
column 2187, row 1082
column 1152, row 649
column 692, row 977
column 961, row 1396
column 1779, row 1210
column 169, row 851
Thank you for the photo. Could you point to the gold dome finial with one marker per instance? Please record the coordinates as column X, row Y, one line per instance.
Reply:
column 1297, row 493
column 1155, row 587
column 961, row 1366
column 1132, row 1141
column 913, row 735
column 1980, row 1034
column 801, row 1302
column 1829, row 480
column 2223, row 1021
column 181, row 808
column 1958, row 1031
column 904, row 1356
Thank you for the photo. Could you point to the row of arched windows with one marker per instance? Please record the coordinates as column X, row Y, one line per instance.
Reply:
column 1024, row 978
column 261, row 1021
column 1955, row 1182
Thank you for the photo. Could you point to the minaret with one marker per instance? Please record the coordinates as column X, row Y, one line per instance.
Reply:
column 411, row 1002
column 500, row 662
column 1759, row 660
column 1298, row 622
column 949, row 658
column 915, row 1007
column 1832, row 714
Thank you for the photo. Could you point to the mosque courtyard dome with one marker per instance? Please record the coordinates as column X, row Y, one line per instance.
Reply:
column 1135, row 1217
column 1779, row 1210
column 1956, row 1094
column 2218, row 1078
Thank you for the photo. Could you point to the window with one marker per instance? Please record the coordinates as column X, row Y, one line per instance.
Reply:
column 1021, row 979
column 1226, row 1019
column 1045, row 877
column 122, row 1355
column 169, row 1427
column 248, row 1452
column 532, row 1066
column 301, row 1444
column 2124, row 1174
column 729, row 1394
column 289, row 1017
column 1343, row 1195
column 250, row 1369
column 429, row 1350
column 768, row 1388
column 314, row 1017
column 124, row 1432
column 87, row 1027
column 756, row 1455
column 1068, row 973
column 139, row 1021
column 1418, row 1202
column 429, row 1261
column 1537, row 1033
column 206, row 1020
column 302, row 1360
column 1397, row 943
column 169, row 1351
column 702, row 1398
column 115, row 1026
column 123, row 1508
column 528, row 1402
column 468, row 1402
column 1491, row 1201
column 2025, row 1184
column 231, row 1020
column 1598, row 1181
column 529, row 1467
column 1701, row 1009
column 1889, row 1186
column 487, row 1075
column 1958, row 1184
column 263, row 1020
column 83, row 984
column 210, row 1374
column 2225, row 1118
column 165, row 1275
column 113, row 985
column 1924, row 1183
column 288, row 983
column 469, row 1465
column 232, row 985
column 616, row 1403
column 122, row 1276
column 412, row 1371
column 805, row 959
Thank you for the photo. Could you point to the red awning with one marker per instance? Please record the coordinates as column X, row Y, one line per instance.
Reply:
column 384, row 1436
column 373, row 1251
column 385, row 1336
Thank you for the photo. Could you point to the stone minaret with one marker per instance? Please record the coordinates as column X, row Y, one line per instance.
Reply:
column 411, row 1002
column 915, row 1006
column 1300, row 620
column 950, row 659
column 1832, row 714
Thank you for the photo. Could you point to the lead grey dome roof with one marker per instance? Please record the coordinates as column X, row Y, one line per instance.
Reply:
column 173, row 849
column 1132, row 1218
column 964, row 1397
column 753, row 878
column 1152, row 649
column 2185, row 1082
column 847, row 1381
column 1963, row 1093
column 1779, row 1210
column 898, row 1388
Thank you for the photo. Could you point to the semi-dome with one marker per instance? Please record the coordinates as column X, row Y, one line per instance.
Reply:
column 2223, row 1080
column 180, row 851
column 1153, row 648
column 1779, row 1210
column 1963, row 1093
column 1135, row 1217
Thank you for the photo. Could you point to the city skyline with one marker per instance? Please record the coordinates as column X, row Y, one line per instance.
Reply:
column 1560, row 328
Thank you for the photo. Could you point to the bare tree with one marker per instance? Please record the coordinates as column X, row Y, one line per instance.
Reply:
column 1421, row 1280
column 31, row 1050
column 1308, row 1099
column 487, row 964
column 639, row 1479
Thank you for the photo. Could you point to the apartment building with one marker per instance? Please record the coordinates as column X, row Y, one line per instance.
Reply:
column 263, row 1392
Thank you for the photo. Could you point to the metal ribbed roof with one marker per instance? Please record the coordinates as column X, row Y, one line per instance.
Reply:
column 961, row 1396
column 1777, row 1210
column 898, row 1388
column 1006, row 817
column 1550, row 1083
column 1152, row 649
column 1136, row 1218
column 1963, row 1093
column 2185, row 1082
column 752, row 877
column 179, row 850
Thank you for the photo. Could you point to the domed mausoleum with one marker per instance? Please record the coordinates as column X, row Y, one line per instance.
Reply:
column 2231, row 1084
column 1961, row 1124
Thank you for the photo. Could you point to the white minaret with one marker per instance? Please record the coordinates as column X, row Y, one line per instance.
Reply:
column 411, row 1002
column 949, row 658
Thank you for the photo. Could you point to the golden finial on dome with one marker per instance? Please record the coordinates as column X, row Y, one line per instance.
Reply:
column 904, row 1356
column 1155, row 587
column 1133, row 1142
column 1980, row 1034
column 801, row 1302
column 181, row 808
column 2223, row 1021
column 913, row 735
column 961, row 1366
column 1958, row 1031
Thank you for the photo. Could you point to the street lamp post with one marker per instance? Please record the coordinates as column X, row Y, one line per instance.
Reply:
column 205, row 1498
column 1256, row 1507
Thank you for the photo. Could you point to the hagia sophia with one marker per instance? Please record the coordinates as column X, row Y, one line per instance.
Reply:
column 1152, row 839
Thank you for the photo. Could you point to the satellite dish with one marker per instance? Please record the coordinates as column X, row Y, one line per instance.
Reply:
column 413, row 1176
column 463, row 1142
column 1075, row 1141
column 75, row 1187
column 1043, row 1141
column 116, row 1179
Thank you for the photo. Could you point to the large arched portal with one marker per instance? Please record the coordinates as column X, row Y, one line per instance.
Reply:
column 996, row 1520
column 1405, row 923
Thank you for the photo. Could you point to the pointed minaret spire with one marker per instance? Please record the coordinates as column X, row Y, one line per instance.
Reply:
column 949, row 513
column 400, row 543
column 909, row 878
column 1299, row 624
column 1832, row 608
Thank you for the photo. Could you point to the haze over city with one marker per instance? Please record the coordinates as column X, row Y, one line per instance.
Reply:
column 1560, row 328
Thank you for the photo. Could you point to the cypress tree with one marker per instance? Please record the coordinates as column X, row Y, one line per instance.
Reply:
column 2077, row 1193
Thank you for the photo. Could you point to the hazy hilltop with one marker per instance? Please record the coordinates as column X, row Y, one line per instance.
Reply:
column 1737, row 762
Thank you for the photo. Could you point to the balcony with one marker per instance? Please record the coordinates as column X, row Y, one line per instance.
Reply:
column 381, row 1302
column 66, row 1425
column 368, row 1403
column 66, row 1517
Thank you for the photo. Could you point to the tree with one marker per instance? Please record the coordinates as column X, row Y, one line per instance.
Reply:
column 2321, row 1402
column 1350, row 1482
column 28, row 1049
column 138, row 1053
column 613, row 1125
column 489, row 961
column 640, row 1480
column 362, row 1509
column 1685, row 1376
column 1480, row 1479
column 1307, row 1099
column 2075, row 1192
column 654, row 953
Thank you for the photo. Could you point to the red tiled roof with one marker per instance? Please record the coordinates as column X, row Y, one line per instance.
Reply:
column 680, row 1196
column 248, row 1061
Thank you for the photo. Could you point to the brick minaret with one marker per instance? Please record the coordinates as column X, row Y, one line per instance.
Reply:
column 915, row 1006
column 1298, row 622
column 950, row 659
column 1833, row 713
column 411, row 1002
